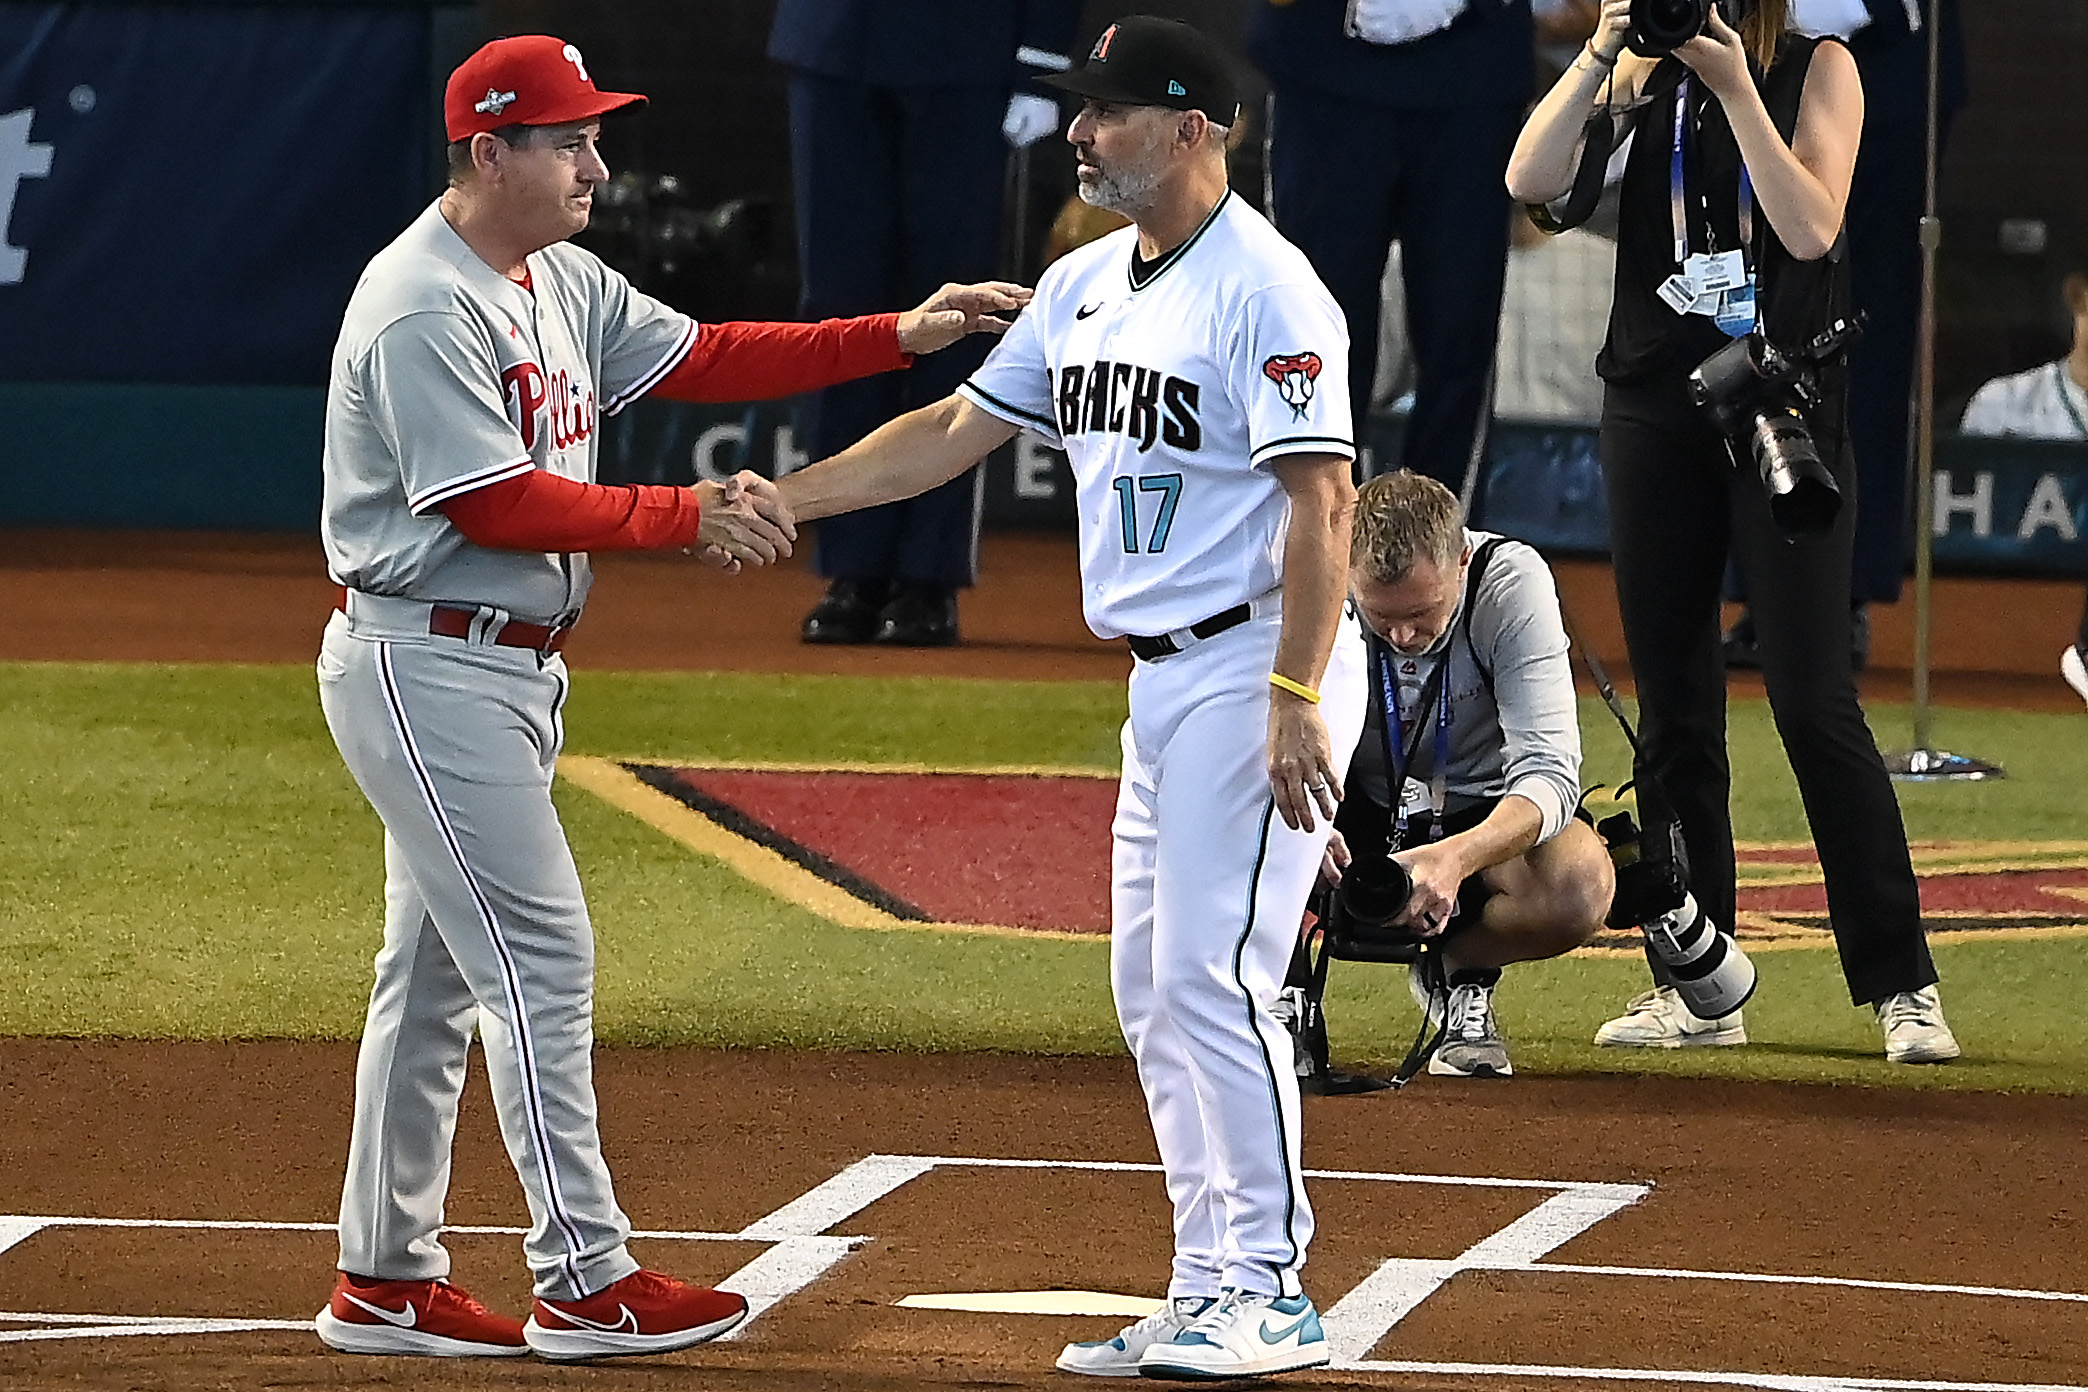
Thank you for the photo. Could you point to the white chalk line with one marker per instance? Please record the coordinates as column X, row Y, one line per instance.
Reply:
column 1776, row 1382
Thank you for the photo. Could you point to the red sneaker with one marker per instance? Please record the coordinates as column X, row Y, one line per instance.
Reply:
column 645, row 1312
column 432, row 1319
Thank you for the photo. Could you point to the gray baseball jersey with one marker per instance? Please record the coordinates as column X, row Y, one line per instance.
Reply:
column 449, row 376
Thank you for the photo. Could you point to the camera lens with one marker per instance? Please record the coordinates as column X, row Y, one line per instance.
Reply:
column 1803, row 496
column 1374, row 894
column 1657, row 26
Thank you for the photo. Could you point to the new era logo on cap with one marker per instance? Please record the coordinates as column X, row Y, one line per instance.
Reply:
column 527, row 80
column 1176, row 89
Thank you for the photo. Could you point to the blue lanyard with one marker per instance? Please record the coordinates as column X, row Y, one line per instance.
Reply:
column 1401, row 758
column 1676, row 209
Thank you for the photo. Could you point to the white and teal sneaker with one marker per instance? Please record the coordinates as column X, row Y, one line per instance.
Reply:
column 1118, row 1357
column 1242, row 1335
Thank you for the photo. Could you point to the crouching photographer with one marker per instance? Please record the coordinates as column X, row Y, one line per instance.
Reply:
column 1458, row 827
column 1724, row 430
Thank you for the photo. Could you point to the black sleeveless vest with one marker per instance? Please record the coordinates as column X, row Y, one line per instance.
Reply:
column 1650, row 343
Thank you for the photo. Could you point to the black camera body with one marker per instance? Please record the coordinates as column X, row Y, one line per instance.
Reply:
column 1659, row 27
column 1358, row 913
column 1652, row 868
column 1758, row 395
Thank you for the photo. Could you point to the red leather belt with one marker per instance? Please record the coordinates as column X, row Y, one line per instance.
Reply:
column 451, row 621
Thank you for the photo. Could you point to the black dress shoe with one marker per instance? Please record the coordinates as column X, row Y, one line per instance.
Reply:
column 1739, row 645
column 921, row 614
column 848, row 613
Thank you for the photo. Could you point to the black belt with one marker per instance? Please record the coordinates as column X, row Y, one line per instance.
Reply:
column 1146, row 649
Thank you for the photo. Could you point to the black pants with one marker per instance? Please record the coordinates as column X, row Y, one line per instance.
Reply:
column 898, row 190
column 1347, row 178
column 1676, row 505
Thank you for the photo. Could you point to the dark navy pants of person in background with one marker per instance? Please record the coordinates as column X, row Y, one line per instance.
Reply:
column 898, row 191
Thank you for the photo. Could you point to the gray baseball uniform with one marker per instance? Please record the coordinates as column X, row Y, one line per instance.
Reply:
column 448, row 377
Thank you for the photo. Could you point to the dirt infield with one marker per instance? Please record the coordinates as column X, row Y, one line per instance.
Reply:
column 217, row 597
column 1430, row 1283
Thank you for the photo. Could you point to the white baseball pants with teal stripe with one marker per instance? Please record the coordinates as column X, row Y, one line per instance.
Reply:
column 484, row 928
column 1209, row 890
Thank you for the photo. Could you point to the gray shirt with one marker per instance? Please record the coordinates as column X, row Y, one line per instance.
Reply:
column 448, row 376
column 1514, row 724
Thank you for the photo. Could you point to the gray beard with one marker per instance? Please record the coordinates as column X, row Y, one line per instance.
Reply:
column 1129, row 192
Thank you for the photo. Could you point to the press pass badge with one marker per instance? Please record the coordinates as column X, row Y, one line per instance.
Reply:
column 1735, row 314
column 1714, row 273
column 1678, row 293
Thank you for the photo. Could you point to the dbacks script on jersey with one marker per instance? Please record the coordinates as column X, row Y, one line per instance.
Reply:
column 1171, row 385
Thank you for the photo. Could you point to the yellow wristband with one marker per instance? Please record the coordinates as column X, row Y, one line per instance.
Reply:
column 1295, row 688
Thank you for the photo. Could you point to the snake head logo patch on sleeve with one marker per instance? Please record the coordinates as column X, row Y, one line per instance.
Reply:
column 1293, row 374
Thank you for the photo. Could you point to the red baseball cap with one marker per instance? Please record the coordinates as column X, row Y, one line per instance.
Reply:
column 528, row 80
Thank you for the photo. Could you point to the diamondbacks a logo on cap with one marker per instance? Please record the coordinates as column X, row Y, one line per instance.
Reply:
column 1293, row 374
column 496, row 102
column 1102, row 45
column 1176, row 89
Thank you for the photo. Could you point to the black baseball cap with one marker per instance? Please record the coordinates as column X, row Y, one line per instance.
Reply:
column 1143, row 60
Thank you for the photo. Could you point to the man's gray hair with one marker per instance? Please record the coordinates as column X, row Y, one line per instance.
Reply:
column 1403, row 517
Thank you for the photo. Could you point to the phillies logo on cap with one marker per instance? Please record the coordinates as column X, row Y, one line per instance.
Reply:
column 1293, row 374
column 527, row 80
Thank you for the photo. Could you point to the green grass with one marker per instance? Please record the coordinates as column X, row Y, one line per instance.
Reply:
column 182, row 855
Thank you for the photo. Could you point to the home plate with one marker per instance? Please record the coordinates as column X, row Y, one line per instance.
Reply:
column 1049, row 1302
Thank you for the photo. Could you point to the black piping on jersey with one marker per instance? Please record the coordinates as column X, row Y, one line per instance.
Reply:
column 1155, row 269
column 1290, row 1181
column 520, row 1037
column 1048, row 422
column 1283, row 444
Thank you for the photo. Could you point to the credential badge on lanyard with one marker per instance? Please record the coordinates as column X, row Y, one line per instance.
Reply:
column 1400, row 751
column 1718, row 285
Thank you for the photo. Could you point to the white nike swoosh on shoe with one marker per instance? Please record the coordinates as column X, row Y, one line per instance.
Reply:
column 404, row 1319
column 628, row 1324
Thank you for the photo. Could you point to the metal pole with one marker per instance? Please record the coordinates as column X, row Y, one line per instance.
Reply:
column 1925, row 394
column 1924, row 762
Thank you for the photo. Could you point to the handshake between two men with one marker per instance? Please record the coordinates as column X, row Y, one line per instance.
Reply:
column 746, row 520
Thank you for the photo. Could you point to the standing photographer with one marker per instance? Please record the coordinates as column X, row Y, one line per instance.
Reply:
column 1730, row 223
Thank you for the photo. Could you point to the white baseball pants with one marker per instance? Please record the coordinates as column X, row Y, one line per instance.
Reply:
column 1210, row 886
column 453, row 743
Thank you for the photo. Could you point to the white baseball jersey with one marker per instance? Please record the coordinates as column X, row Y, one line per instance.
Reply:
column 1169, row 394
column 449, row 376
column 2045, row 403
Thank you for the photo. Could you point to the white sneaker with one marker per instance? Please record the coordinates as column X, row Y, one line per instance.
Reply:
column 1242, row 1335
column 2075, row 671
column 1914, row 1028
column 1472, row 1046
column 1657, row 1019
column 1118, row 1357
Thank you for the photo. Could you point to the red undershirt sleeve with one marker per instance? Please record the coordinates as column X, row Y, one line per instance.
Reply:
column 758, row 362
column 539, row 511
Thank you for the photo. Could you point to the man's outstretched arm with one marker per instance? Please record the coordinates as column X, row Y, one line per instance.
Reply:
column 899, row 459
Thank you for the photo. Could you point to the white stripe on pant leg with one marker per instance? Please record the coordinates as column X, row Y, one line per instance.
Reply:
column 1292, row 1182
column 518, row 1012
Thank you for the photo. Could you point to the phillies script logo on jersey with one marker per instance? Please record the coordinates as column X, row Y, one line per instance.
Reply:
column 567, row 411
column 1293, row 374
column 1139, row 403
